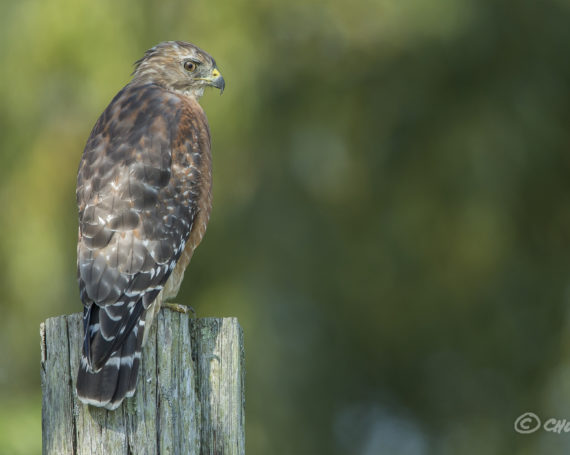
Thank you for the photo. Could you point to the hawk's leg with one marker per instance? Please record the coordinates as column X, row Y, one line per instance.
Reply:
column 185, row 309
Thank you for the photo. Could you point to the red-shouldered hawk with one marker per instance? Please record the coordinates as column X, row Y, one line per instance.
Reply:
column 144, row 198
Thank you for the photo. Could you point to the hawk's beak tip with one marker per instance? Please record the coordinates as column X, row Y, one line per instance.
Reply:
column 220, row 83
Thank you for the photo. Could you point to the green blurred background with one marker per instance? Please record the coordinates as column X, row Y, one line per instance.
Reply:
column 390, row 224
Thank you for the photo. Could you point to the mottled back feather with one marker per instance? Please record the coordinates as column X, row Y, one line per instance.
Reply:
column 138, row 192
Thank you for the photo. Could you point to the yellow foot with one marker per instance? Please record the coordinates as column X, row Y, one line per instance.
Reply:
column 185, row 309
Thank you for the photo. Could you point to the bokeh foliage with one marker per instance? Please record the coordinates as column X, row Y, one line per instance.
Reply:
column 390, row 223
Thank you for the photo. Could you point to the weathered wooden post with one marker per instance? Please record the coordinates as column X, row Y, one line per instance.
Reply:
column 189, row 398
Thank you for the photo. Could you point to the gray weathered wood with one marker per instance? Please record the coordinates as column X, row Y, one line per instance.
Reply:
column 189, row 398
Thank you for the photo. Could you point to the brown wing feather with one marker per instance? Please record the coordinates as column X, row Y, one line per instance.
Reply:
column 138, row 193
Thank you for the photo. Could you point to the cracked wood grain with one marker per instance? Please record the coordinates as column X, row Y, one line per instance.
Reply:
column 189, row 398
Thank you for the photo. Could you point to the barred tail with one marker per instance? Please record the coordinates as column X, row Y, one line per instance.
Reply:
column 108, row 384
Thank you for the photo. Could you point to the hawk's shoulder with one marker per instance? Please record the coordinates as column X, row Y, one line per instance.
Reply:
column 137, row 192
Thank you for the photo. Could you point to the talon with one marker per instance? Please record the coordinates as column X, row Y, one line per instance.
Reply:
column 184, row 309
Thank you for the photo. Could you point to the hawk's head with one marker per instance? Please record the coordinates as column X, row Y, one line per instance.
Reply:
column 179, row 66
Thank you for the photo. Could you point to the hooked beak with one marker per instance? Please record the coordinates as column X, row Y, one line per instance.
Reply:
column 216, row 80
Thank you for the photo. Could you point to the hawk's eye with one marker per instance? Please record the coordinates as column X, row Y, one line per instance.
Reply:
column 189, row 65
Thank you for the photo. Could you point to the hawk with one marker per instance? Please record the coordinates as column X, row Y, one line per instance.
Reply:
column 144, row 197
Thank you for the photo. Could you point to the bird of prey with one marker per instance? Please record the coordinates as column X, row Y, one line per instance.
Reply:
column 144, row 198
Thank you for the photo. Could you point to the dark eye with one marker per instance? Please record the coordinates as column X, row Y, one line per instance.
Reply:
column 189, row 65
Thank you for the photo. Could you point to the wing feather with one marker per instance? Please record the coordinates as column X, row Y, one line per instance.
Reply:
column 136, row 211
